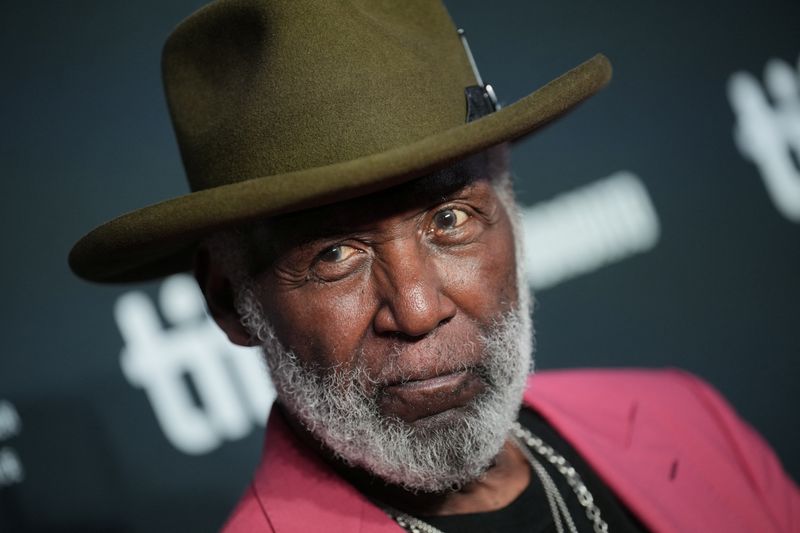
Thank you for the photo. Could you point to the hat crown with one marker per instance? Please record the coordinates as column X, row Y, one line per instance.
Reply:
column 258, row 88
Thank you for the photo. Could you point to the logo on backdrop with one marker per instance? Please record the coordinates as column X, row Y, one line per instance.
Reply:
column 203, row 389
column 11, row 471
column 584, row 229
column 767, row 130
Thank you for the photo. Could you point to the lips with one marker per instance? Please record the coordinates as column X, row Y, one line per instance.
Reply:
column 419, row 401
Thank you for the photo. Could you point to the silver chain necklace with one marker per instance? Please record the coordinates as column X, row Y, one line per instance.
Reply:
column 527, row 441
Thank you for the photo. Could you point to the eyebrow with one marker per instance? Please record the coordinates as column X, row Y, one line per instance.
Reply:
column 429, row 189
column 441, row 184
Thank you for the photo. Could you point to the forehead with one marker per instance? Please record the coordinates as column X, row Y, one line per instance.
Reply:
column 473, row 174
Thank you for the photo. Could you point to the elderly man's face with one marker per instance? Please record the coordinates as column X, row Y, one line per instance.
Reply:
column 395, row 331
column 401, row 283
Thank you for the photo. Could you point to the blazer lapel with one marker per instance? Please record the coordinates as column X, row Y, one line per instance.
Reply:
column 606, row 434
column 300, row 493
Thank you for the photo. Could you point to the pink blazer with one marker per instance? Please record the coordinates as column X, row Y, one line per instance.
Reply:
column 666, row 442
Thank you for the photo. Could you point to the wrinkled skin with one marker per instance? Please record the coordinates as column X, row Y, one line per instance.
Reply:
column 399, row 282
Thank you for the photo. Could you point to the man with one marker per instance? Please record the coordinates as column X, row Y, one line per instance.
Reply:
column 352, row 212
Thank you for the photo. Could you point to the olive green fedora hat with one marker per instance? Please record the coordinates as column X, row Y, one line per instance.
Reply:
column 283, row 105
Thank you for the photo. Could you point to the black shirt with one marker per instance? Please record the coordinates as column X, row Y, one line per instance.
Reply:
column 530, row 512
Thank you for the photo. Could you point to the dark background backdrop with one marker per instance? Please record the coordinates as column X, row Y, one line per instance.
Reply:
column 85, row 136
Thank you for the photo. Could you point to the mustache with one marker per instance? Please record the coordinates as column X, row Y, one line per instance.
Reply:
column 401, row 364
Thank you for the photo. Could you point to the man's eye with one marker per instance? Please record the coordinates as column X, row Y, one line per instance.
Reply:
column 447, row 219
column 337, row 254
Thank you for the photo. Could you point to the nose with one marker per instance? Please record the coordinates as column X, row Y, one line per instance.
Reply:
column 411, row 287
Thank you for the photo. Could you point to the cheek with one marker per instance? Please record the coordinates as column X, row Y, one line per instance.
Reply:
column 324, row 328
column 482, row 280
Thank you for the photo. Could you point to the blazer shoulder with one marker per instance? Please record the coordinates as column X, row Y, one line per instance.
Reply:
column 670, row 394
column 248, row 515
column 653, row 382
column 686, row 412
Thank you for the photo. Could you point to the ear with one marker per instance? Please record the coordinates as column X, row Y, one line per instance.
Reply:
column 219, row 294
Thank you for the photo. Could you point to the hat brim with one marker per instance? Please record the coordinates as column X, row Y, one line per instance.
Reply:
column 159, row 240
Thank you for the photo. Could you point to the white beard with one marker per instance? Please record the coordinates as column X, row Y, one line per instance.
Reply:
column 335, row 407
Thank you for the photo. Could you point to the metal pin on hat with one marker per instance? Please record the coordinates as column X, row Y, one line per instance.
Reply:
column 487, row 88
